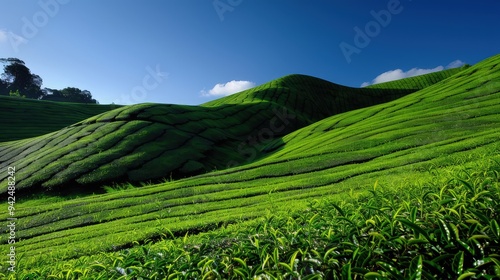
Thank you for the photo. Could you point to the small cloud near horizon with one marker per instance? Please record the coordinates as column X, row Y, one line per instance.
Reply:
column 228, row 88
column 398, row 74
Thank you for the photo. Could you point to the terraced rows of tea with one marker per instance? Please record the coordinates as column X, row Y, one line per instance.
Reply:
column 24, row 118
column 154, row 141
column 452, row 123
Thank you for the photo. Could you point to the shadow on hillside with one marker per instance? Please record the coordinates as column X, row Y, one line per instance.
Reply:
column 268, row 139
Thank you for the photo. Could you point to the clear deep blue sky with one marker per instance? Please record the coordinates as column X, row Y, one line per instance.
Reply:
column 114, row 48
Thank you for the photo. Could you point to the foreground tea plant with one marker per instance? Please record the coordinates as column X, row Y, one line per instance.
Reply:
column 442, row 231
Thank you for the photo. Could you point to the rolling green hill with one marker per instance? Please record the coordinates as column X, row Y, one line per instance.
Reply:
column 342, row 144
column 25, row 118
column 154, row 141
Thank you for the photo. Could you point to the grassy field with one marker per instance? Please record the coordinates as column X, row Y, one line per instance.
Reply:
column 392, row 181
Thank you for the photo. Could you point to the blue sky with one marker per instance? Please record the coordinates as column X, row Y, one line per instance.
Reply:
column 190, row 52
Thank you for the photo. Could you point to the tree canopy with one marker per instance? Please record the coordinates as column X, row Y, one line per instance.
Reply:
column 17, row 77
column 69, row 94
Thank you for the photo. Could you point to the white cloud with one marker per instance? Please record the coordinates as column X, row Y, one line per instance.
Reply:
column 455, row 64
column 398, row 74
column 228, row 88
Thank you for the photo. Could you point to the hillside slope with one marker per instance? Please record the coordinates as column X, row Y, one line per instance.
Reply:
column 153, row 141
column 455, row 122
column 24, row 118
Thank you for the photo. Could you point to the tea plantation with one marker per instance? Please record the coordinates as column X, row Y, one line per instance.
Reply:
column 297, row 178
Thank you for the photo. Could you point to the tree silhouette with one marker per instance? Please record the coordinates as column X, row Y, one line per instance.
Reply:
column 69, row 94
column 4, row 88
column 18, row 77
